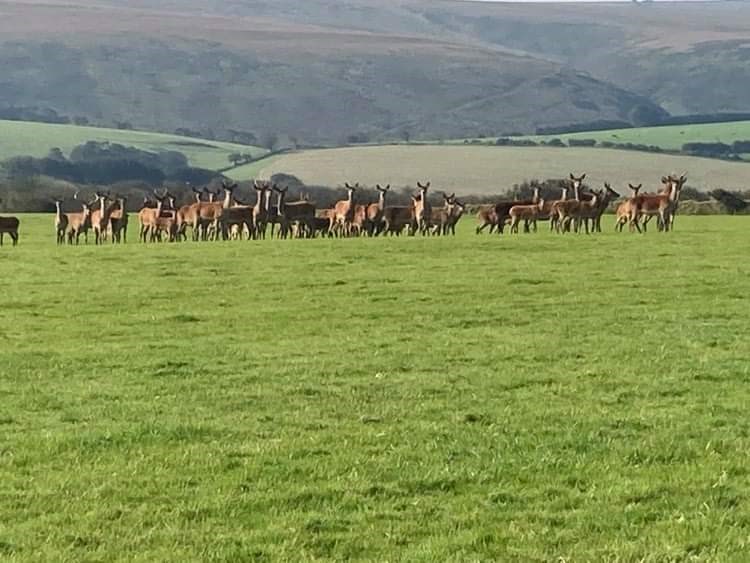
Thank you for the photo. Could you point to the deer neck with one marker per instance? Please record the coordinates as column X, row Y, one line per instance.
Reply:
column 381, row 201
column 227, row 199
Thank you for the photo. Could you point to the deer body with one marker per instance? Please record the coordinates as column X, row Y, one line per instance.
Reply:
column 374, row 213
column 529, row 214
column 61, row 222
column 10, row 226
column 78, row 223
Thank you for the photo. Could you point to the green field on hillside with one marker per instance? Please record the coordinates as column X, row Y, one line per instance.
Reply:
column 477, row 398
column 668, row 137
column 492, row 170
column 36, row 139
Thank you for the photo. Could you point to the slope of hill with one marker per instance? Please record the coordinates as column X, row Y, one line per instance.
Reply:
column 163, row 70
column 36, row 139
column 490, row 170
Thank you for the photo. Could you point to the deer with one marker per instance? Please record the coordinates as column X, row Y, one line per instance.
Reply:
column 567, row 209
column 148, row 217
column 374, row 215
column 10, row 226
column 608, row 195
column 553, row 214
column 624, row 210
column 166, row 219
column 187, row 216
column 486, row 217
column 397, row 218
column 529, row 213
column 322, row 223
column 100, row 212
column 118, row 221
column 78, row 223
column 587, row 209
column 260, row 210
column 61, row 222
column 422, row 209
column 301, row 212
column 343, row 212
column 238, row 219
column 502, row 210
column 441, row 217
column 662, row 205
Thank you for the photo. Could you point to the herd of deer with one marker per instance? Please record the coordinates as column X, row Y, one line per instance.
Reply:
column 230, row 218
column 585, row 210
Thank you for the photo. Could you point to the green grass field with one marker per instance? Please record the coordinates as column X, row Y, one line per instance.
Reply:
column 36, row 139
column 517, row 398
column 668, row 137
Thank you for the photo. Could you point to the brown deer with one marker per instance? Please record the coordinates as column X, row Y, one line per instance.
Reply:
column 486, row 217
column 61, row 222
column 118, row 221
column 587, row 210
column 625, row 209
column 375, row 222
column 567, row 209
column 607, row 197
column 260, row 210
column 343, row 212
column 662, row 205
column 100, row 213
column 441, row 217
column 301, row 212
column 148, row 217
column 238, row 219
column 502, row 210
column 166, row 219
column 187, row 216
column 78, row 223
column 10, row 226
column 529, row 214
column 422, row 209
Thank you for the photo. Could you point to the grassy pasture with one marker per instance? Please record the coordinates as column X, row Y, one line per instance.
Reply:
column 477, row 170
column 473, row 398
column 36, row 139
column 670, row 137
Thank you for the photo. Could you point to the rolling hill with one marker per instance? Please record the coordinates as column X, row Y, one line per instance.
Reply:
column 490, row 170
column 36, row 139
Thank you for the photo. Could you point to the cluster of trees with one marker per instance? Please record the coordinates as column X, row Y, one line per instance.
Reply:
column 108, row 163
column 717, row 150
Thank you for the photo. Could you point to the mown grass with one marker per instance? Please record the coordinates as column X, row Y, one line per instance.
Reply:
column 492, row 170
column 535, row 398
column 36, row 139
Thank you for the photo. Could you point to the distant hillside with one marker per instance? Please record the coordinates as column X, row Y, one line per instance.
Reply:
column 36, row 139
column 320, row 71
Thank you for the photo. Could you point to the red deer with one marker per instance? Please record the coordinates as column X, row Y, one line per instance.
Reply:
column 343, row 212
column 422, row 209
column 662, row 205
column 442, row 217
column 567, row 209
column 78, row 223
column 397, row 218
column 238, row 219
column 10, row 226
column 529, row 214
column 608, row 196
column 375, row 222
column 100, row 212
column 625, row 209
column 587, row 210
column 149, row 217
column 502, row 210
column 260, row 210
column 61, row 222
column 487, row 217
column 118, row 221
column 187, row 216
column 458, row 212
column 301, row 212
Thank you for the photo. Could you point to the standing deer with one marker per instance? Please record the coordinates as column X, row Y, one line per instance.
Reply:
column 587, row 210
column 260, row 210
column 100, row 212
column 10, row 226
column 662, row 205
column 422, row 209
column 529, row 214
column 375, row 221
column 625, row 209
column 567, row 209
column 301, row 212
column 607, row 196
column 343, row 212
column 118, row 221
column 78, row 223
column 486, row 217
column 441, row 217
column 61, row 222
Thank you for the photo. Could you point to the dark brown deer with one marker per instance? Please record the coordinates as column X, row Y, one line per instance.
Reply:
column 118, row 221
column 260, row 210
column 10, row 226
column 607, row 197
column 301, row 212
column 486, row 217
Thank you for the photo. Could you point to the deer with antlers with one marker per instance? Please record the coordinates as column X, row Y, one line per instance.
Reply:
column 9, row 225
column 374, row 214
